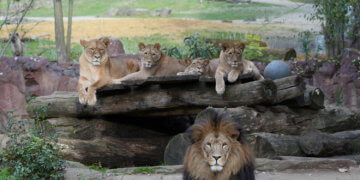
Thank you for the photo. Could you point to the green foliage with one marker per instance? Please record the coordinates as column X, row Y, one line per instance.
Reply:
column 305, row 40
column 253, row 51
column 340, row 96
column 335, row 15
column 32, row 153
column 98, row 167
column 194, row 47
column 144, row 170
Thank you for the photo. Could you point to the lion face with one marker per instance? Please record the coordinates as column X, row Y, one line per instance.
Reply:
column 95, row 50
column 232, row 54
column 216, row 151
column 197, row 66
column 150, row 54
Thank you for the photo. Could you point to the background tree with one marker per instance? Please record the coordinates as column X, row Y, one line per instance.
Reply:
column 63, row 51
column 336, row 21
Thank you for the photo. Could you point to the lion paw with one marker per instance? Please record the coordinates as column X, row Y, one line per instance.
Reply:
column 220, row 90
column 82, row 98
column 232, row 79
column 91, row 99
column 116, row 81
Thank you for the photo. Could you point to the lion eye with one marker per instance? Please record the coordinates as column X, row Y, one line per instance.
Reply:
column 153, row 54
column 92, row 49
column 145, row 53
column 230, row 53
column 224, row 145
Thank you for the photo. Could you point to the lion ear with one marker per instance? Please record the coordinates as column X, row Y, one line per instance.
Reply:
column 141, row 46
column 195, row 133
column 234, row 133
column 241, row 46
column 84, row 43
column 225, row 46
column 206, row 62
column 157, row 46
column 106, row 41
column 188, row 61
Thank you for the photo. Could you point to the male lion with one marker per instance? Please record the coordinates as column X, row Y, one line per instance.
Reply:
column 98, row 70
column 219, row 151
column 232, row 65
column 155, row 63
column 202, row 67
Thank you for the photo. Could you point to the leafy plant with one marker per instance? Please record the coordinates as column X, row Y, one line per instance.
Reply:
column 305, row 40
column 253, row 51
column 340, row 96
column 32, row 153
column 196, row 47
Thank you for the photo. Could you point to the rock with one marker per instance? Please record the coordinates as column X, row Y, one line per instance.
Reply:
column 115, row 48
column 125, row 11
column 137, row 12
column 23, row 77
column 111, row 12
column 297, row 163
column 4, row 139
column 284, row 54
column 271, row 145
column 176, row 149
column 163, row 12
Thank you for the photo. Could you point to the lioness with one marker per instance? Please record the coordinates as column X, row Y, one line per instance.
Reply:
column 202, row 67
column 155, row 63
column 98, row 70
column 232, row 65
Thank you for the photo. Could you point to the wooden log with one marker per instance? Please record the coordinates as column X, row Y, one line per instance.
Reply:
column 268, row 145
column 154, row 98
column 284, row 54
column 316, row 143
column 288, row 88
column 313, row 98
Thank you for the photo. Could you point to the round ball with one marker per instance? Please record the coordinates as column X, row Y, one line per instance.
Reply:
column 276, row 70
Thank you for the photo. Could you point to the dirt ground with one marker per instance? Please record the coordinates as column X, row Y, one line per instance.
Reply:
column 130, row 27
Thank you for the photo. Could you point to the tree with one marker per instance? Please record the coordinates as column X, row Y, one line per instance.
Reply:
column 62, row 51
column 336, row 21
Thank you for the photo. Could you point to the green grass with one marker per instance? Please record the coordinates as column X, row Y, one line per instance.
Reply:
column 98, row 167
column 141, row 170
column 209, row 10
column 44, row 48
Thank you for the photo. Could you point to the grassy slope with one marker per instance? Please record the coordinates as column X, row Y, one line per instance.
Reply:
column 180, row 9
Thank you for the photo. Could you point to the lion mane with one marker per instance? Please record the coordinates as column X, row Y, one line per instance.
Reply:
column 240, row 160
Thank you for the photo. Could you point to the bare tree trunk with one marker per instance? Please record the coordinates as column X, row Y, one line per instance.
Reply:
column 59, row 31
column 68, row 36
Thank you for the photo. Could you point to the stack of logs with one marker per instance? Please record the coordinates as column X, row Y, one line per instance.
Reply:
column 158, row 97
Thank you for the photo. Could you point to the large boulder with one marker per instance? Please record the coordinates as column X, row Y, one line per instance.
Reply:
column 163, row 12
column 115, row 48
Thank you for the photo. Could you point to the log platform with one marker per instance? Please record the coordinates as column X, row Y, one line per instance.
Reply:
column 171, row 95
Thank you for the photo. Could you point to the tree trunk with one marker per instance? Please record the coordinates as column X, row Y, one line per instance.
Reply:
column 68, row 36
column 59, row 31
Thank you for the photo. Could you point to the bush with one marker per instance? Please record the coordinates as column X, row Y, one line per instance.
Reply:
column 32, row 154
column 194, row 47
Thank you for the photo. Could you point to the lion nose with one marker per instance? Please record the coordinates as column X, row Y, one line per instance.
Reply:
column 97, row 57
column 216, row 157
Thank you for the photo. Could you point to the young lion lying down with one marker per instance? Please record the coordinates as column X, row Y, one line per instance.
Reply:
column 232, row 65
column 202, row 67
column 155, row 63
